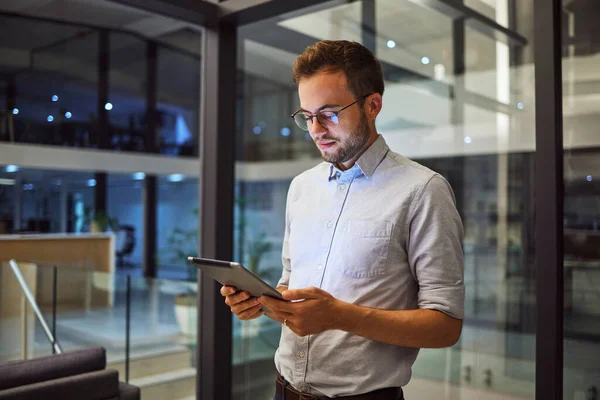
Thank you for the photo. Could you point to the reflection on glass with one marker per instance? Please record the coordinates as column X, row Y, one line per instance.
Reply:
column 57, row 77
column 179, row 99
column 126, row 104
column 125, row 208
column 474, row 126
column 44, row 201
column 21, row 331
column 581, row 111
column 163, row 337
column 178, row 219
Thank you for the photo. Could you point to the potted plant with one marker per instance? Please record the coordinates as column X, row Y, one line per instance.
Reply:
column 99, row 221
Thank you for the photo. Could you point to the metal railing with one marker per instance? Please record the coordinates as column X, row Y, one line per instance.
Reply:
column 34, row 306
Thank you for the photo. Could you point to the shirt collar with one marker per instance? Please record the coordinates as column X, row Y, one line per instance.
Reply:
column 367, row 162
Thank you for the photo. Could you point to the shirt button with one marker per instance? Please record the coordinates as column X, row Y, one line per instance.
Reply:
column 319, row 267
column 343, row 187
column 301, row 354
column 330, row 224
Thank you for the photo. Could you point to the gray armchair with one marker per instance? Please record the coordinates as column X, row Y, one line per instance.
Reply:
column 69, row 376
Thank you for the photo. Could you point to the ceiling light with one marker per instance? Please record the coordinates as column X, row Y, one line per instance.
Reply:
column 391, row 44
column 175, row 178
column 425, row 60
column 108, row 106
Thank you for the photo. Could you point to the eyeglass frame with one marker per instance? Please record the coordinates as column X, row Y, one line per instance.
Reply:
column 336, row 112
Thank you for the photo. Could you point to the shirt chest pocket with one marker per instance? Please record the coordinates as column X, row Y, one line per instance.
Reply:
column 363, row 248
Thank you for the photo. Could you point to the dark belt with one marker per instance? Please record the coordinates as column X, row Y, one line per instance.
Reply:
column 292, row 394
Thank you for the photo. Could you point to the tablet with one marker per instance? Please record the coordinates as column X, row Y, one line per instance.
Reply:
column 234, row 274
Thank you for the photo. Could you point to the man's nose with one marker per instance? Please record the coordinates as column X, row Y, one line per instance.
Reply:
column 316, row 129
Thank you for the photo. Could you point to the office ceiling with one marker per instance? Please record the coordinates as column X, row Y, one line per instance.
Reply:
column 98, row 13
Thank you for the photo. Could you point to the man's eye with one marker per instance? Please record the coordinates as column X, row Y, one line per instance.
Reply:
column 328, row 114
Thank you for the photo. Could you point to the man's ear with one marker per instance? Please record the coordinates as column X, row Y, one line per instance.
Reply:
column 374, row 103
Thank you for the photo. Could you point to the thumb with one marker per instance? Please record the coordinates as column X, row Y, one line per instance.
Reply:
column 300, row 294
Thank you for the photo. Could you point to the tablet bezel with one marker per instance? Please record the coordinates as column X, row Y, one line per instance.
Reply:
column 237, row 276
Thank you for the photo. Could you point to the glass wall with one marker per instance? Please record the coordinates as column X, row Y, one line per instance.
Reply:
column 54, row 74
column 124, row 205
column 45, row 201
column 178, row 225
column 581, row 115
column 456, row 101
column 49, row 82
column 178, row 99
column 128, row 80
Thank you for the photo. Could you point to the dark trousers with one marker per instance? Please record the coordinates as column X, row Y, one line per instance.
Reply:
column 278, row 397
column 401, row 397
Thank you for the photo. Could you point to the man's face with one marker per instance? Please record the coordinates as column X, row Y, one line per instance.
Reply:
column 344, row 143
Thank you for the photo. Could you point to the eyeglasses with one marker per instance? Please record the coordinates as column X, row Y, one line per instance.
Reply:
column 327, row 118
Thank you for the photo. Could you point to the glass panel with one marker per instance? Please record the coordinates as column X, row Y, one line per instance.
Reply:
column 488, row 8
column 51, row 95
column 50, row 86
column 21, row 332
column 124, row 205
column 90, row 307
column 164, row 319
column 476, row 128
column 581, row 115
column 7, row 201
column 45, row 201
column 178, row 219
column 178, row 100
column 127, row 92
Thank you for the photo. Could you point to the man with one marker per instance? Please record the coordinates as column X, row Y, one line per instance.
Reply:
column 372, row 252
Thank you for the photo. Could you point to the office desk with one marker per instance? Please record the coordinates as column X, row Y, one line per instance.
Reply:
column 86, row 265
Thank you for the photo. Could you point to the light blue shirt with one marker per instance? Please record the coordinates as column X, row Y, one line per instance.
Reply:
column 384, row 234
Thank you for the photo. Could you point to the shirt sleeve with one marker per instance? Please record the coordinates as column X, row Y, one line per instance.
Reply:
column 285, row 253
column 435, row 248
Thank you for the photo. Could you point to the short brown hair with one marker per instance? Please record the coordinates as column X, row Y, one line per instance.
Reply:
column 363, row 71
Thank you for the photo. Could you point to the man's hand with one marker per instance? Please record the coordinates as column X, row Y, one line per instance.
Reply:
column 317, row 310
column 241, row 303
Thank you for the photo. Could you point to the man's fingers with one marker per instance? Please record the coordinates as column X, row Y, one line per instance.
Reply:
column 301, row 294
column 227, row 290
column 244, row 305
column 278, row 316
column 275, row 304
column 251, row 312
column 236, row 298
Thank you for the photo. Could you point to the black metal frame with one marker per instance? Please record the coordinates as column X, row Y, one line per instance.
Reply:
column 222, row 18
column 217, row 151
column 150, row 224
column 549, row 199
